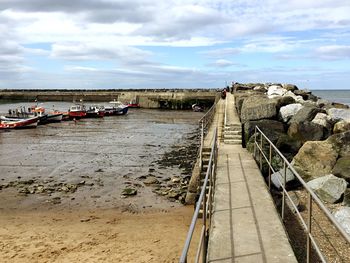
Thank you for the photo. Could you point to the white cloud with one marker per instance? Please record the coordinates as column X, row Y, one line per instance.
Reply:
column 333, row 52
column 221, row 63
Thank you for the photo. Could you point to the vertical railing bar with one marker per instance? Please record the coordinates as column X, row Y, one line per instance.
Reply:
column 308, row 250
column 284, row 188
column 270, row 161
column 199, row 249
column 261, row 147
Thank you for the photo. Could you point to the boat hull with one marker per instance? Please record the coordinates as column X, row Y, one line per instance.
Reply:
column 10, row 123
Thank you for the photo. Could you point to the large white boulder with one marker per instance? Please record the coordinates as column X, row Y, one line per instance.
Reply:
column 277, row 178
column 275, row 91
column 339, row 114
column 297, row 98
column 328, row 188
column 288, row 111
column 343, row 218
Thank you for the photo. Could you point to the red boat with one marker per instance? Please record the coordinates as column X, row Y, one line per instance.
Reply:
column 77, row 111
column 134, row 103
column 9, row 123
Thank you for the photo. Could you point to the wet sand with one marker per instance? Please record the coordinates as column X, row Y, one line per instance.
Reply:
column 62, row 184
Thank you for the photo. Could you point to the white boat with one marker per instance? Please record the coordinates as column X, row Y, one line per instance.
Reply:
column 116, row 108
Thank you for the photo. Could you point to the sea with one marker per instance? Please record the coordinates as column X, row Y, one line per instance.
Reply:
column 341, row 96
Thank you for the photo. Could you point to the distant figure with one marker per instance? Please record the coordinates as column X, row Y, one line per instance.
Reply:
column 223, row 94
column 75, row 121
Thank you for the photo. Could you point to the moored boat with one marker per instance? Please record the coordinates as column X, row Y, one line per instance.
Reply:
column 13, row 123
column 118, row 108
column 95, row 111
column 134, row 103
column 77, row 111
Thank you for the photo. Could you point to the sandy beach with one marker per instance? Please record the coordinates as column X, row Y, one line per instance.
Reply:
column 93, row 235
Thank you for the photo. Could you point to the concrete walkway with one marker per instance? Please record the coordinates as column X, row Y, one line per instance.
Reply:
column 245, row 225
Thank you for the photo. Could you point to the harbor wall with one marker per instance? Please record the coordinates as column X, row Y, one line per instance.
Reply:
column 152, row 99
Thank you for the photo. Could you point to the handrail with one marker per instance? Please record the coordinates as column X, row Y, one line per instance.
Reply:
column 311, row 195
column 206, row 205
column 204, row 123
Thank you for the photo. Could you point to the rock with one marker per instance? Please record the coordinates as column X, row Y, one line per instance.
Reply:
column 176, row 179
column 151, row 180
column 272, row 129
column 341, row 126
column 277, row 177
column 346, row 198
column 326, row 122
column 288, row 111
column 56, row 200
column 321, row 103
column 341, row 142
column 274, row 91
column 315, row 159
column 129, row 191
column 288, row 146
column 328, row 188
column 305, row 131
column 297, row 98
column 343, row 217
column 290, row 87
column 295, row 200
column 339, row 114
column 257, row 108
column 339, row 105
column 304, row 93
column 306, row 113
column 342, row 168
column 283, row 101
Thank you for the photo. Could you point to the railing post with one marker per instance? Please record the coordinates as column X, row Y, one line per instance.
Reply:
column 270, row 160
column 201, row 146
column 254, row 142
column 284, row 189
column 309, row 216
column 261, row 149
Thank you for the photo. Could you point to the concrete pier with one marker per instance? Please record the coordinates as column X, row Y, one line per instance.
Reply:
column 151, row 99
column 245, row 224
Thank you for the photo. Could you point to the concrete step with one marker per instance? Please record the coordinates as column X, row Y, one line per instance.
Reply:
column 233, row 132
column 233, row 136
column 229, row 141
column 233, row 125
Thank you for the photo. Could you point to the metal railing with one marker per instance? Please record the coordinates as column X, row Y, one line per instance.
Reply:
column 204, row 201
column 273, row 155
column 205, row 123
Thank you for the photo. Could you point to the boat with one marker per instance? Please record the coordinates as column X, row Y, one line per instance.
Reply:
column 15, row 123
column 45, row 118
column 77, row 111
column 117, row 108
column 134, row 103
column 197, row 108
column 95, row 111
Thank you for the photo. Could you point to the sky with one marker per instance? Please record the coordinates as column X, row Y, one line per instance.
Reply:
column 111, row 44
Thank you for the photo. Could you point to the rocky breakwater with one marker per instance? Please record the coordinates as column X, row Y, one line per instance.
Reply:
column 312, row 133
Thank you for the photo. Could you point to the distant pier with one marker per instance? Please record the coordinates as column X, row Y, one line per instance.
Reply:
column 150, row 99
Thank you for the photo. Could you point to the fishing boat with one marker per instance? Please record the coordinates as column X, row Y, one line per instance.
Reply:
column 134, row 103
column 77, row 111
column 45, row 118
column 95, row 111
column 14, row 123
column 116, row 108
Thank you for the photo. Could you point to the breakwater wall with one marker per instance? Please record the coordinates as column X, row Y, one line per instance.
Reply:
column 152, row 99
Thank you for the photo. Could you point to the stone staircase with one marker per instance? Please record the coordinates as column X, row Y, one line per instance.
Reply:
column 233, row 134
